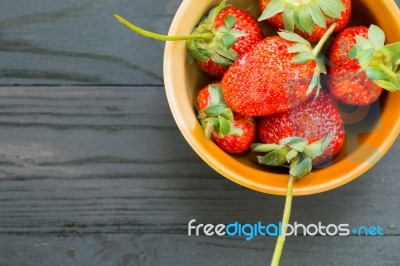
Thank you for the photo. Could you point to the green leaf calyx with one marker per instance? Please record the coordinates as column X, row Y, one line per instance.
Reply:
column 217, row 116
column 380, row 62
column 303, row 14
column 219, row 48
column 294, row 153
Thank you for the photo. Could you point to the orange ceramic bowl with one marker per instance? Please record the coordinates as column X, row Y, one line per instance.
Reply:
column 370, row 133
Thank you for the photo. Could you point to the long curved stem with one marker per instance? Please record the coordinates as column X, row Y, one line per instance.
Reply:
column 285, row 221
column 323, row 40
column 160, row 37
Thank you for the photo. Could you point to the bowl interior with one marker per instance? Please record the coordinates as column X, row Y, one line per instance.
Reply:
column 370, row 131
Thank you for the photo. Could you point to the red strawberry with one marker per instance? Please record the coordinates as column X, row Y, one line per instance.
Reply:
column 220, row 38
column 313, row 120
column 310, row 19
column 232, row 132
column 361, row 65
column 234, row 143
column 246, row 30
column 341, row 46
column 279, row 73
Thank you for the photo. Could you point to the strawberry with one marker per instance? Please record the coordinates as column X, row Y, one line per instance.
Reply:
column 361, row 65
column 310, row 18
column 234, row 143
column 313, row 120
column 298, row 139
column 232, row 132
column 279, row 73
column 221, row 37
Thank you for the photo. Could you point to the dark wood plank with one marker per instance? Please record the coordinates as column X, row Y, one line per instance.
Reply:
column 171, row 250
column 110, row 159
column 79, row 42
column 102, row 176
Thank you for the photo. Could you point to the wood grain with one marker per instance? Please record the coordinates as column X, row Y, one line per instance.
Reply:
column 111, row 160
column 79, row 42
column 101, row 175
column 171, row 250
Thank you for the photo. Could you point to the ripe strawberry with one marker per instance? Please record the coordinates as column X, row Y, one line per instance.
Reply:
column 361, row 65
column 341, row 46
column 279, row 73
column 310, row 19
column 232, row 132
column 233, row 143
column 313, row 120
column 221, row 37
column 243, row 34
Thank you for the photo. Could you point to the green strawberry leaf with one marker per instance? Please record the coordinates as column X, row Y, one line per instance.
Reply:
column 273, row 8
column 220, row 60
column 229, row 21
column 293, row 37
column 214, row 110
column 296, row 18
column 228, row 55
column 376, row 37
column 237, row 33
column 315, row 149
column 306, row 22
column 229, row 40
column 264, row 147
column 393, row 51
column 195, row 52
column 227, row 113
column 224, row 126
column 294, row 142
column 364, row 43
column 288, row 19
column 236, row 131
column 332, row 8
column 302, row 58
column 387, row 85
column 209, row 125
column 302, row 169
column 375, row 74
column 216, row 10
column 291, row 155
column 275, row 157
column 299, row 47
column 214, row 92
column 365, row 56
column 317, row 16
column 354, row 52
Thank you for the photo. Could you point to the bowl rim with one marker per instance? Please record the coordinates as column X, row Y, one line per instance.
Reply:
column 187, row 130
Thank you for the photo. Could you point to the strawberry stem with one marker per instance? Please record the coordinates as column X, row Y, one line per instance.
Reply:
column 285, row 220
column 160, row 37
column 324, row 38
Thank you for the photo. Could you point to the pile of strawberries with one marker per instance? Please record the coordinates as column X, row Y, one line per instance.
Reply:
column 279, row 87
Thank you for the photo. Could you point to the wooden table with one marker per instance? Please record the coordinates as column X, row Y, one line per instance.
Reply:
column 94, row 171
